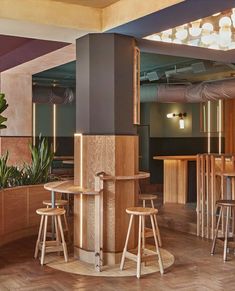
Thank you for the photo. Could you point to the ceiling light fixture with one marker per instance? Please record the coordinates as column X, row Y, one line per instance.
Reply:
column 214, row 32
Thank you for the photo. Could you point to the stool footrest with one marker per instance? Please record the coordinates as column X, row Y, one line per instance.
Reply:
column 52, row 246
column 148, row 232
column 231, row 242
column 146, row 255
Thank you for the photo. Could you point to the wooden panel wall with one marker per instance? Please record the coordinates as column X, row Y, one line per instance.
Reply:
column 229, row 126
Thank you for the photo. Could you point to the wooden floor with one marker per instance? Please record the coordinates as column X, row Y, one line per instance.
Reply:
column 194, row 269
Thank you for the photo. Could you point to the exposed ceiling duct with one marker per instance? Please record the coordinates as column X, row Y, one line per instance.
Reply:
column 168, row 93
column 53, row 95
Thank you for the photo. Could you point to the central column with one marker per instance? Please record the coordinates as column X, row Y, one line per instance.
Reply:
column 105, row 65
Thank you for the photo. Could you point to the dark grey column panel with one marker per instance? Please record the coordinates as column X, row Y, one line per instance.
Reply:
column 105, row 84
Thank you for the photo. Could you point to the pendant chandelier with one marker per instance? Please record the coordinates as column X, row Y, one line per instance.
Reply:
column 214, row 32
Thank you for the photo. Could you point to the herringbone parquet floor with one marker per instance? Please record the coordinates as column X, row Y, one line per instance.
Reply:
column 194, row 269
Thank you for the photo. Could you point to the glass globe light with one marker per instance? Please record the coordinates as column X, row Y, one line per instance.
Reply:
column 193, row 42
column 168, row 31
column 232, row 45
column 195, row 30
column 181, row 27
column 177, row 41
column 208, row 27
column 225, row 33
column 208, row 39
column 225, row 21
column 166, row 38
column 182, row 34
column 223, row 42
column 155, row 37
column 214, row 46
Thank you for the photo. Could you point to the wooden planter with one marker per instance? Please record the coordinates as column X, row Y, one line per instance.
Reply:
column 18, row 218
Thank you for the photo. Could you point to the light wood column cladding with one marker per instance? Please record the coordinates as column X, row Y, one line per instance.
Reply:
column 229, row 128
column 116, row 156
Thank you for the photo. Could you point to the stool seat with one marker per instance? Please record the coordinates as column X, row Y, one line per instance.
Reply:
column 226, row 203
column 58, row 203
column 141, row 211
column 50, row 211
column 147, row 197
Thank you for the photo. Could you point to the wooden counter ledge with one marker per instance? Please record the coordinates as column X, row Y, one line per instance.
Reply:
column 140, row 175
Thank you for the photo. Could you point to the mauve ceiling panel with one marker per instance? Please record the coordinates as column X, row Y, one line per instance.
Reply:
column 17, row 50
column 9, row 43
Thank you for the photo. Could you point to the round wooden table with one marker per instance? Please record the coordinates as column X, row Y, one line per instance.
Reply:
column 68, row 187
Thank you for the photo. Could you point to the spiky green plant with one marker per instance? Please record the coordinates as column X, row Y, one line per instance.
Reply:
column 3, row 107
column 10, row 176
column 38, row 171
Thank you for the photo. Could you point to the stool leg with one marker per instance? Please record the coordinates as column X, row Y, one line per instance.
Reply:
column 44, row 240
column 56, row 230
column 139, row 249
column 233, row 224
column 157, row 248
column 126, row 243
column 39, row 237
column 143, row 234
column 57, row 234
column 152, row 203
column 216, row 233
column 158, row 231
column 226, row 234
column 67, row 227
column 63, row 241
column 144, row 203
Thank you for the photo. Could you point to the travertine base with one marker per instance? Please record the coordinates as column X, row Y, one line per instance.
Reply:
column 116, row 156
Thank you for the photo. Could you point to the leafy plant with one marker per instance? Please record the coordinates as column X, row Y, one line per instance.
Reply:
column 10, row 176
column 3, row 107
column 38, row 171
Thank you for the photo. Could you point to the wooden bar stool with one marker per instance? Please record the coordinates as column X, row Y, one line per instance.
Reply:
column 60, row 204
column 143, row 253
column 149, row 232
column 55, row 245
column 227, row 205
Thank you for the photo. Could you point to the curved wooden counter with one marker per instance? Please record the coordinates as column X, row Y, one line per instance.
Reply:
column 18, row 206
column 175, row 177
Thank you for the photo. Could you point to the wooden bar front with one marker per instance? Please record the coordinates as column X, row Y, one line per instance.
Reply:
column 175, row 186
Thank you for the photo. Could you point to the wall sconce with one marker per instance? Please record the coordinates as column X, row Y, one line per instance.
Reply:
column 180, row 115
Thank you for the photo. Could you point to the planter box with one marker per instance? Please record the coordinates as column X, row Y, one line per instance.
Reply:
column 18, row 216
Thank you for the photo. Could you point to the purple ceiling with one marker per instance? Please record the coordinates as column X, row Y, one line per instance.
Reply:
column 17, row 50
